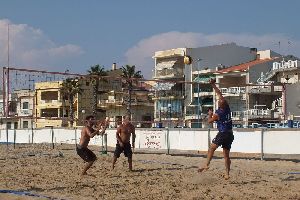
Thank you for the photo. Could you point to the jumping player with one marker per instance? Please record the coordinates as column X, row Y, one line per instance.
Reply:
column 225, row 136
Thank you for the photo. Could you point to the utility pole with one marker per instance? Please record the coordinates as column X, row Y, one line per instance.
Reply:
column 198, row 90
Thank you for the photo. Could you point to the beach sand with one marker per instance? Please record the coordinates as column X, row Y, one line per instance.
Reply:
column 55, row 173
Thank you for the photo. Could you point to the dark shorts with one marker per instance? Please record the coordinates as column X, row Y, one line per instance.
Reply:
column 86, row 154
column 126, row 149
column 224, row 139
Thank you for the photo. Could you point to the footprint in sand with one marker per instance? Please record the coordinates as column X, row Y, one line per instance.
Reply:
column 204, row 178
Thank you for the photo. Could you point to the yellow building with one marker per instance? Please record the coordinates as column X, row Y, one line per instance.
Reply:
column 113, row 98
column 112, row 101
column 53, row 111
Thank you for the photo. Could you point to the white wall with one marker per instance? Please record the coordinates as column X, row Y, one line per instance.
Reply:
column 275, row 141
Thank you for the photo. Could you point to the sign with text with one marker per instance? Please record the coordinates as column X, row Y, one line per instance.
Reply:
column 153, row 139
column 285, row 64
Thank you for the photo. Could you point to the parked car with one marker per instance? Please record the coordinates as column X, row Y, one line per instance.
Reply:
column 237, row 126
column 296, row 124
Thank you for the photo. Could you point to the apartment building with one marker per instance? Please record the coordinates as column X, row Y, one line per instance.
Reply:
column 20, row 110
column 186, row 72
column 257, row 90
column 49, row 106
column 112, row 101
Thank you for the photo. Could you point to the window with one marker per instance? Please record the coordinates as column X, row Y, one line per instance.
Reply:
column 25, row 124
column 25, row 105
column 49, row 95
column 49, row 112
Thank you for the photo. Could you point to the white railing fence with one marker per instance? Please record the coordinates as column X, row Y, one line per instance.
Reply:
column 264, row 141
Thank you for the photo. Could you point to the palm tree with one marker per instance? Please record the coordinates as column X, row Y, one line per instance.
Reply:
column 69, row 89
column 96, row 72
column 130, row 77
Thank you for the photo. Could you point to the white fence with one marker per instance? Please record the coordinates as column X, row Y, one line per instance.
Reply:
column 268, row 141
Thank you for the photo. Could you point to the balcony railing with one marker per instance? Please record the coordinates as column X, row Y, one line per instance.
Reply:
column 165, row 115
column 277, row 103
column 257, row 113
column 195, row 90
column 233, row 90
column 236, row 115
column 25, row 112
column 169, row 93
column 260, row 89
column 50, row 101
column 169, row 73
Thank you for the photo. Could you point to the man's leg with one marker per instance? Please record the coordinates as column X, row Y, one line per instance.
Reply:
column 227, row 162
column 210, row 154
column 114, row 162
column 130, row 163
column 86, row 167
column 117, row 153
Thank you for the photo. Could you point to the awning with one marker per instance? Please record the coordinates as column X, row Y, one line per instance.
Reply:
column 204, row 78
column 167, row 65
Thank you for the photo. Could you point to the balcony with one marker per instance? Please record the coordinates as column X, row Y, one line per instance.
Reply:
column 168, row 94
column 169, row 73
column 142, row 102
column 260, row 89
column 189, row 115
column 107, row 102
column 236, row 115
column 233, row 91
column 202, row 92
column 25, row 112
column 258, row 113
column 52, row 102
column 264, row 89
column 164, row 115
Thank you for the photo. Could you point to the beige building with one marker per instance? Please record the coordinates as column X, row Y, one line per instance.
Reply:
column 186, row 72
column 20, row 110
column 112, row 98
column 49, row 105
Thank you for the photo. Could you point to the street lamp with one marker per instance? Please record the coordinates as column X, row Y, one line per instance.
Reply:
column 170, row 113
column 287, row 78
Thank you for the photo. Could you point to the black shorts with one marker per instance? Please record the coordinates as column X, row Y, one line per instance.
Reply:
column 86, row 154
column 225, row 139
column 126, row 149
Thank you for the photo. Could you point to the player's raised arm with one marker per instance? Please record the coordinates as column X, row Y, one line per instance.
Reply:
column 217, row 90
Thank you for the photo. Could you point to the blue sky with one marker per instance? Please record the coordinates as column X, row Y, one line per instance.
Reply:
column 73, row 34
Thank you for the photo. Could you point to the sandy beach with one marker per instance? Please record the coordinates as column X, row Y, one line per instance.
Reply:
column 55, row 174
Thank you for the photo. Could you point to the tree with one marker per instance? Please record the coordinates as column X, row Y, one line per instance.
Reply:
column 69, row 89
column 130, row 77
column 96, row 72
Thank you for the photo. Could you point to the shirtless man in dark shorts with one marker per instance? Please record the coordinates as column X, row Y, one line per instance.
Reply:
column 87, row 133
column 225, row 136
column 123, row 135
